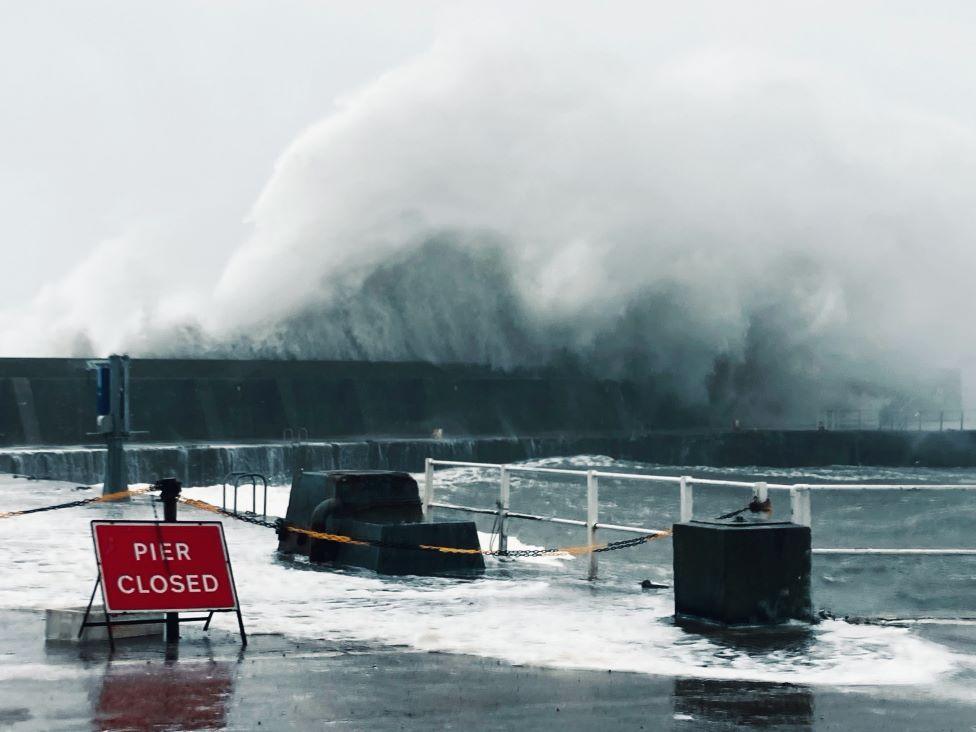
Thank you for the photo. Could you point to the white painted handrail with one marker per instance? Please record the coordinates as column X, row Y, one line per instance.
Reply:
column 897, row 552
column 800, row 509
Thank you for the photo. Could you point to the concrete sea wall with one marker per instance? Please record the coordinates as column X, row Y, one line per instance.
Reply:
column 205, row 464
column 209, row 464
column 806, row 448
column 49, row 401
column 205, row 418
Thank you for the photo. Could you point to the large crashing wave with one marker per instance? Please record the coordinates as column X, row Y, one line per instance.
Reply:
column 766, row 245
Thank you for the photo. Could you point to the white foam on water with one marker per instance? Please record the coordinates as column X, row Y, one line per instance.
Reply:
column 546, row 618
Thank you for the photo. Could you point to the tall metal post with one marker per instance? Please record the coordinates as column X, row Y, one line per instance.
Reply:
column 116, row 473
column 800, row 505
column 503, row 496
column 428, row 489
column 687, row 499
column 169, row 493
column 592, row 516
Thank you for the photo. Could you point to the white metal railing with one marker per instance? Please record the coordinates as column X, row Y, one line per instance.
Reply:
column 800, row 512
column 936, row 420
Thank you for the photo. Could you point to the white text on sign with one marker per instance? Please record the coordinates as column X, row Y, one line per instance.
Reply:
column 174, row 583
column 167, row 551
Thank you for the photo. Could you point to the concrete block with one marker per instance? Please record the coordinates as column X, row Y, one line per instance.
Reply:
column 393, row 558
column 380, row 507
column 742, row 573
column 63, row 624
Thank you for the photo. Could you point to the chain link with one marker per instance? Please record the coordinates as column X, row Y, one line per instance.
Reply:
column 73, row 504
column 204, row 506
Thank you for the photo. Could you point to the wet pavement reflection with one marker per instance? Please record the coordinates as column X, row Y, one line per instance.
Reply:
column 701, row 702
column 167, row 695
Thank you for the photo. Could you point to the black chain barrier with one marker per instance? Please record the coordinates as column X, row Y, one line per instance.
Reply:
column 74, row 504
column 281, row 527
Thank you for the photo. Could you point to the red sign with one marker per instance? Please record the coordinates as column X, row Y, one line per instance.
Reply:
column 163, row 567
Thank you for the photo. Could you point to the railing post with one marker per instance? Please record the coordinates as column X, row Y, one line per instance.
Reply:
column 687, row 499
column 592, row 516
column 800, row 505
column 503, row 494
column 428, row 488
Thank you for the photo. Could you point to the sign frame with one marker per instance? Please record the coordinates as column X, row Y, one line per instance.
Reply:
column 226, row 557
column 100, row 584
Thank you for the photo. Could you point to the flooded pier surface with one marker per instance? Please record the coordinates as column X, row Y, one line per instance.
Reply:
column 281, row 682
column 531, row 643
column 287, row 683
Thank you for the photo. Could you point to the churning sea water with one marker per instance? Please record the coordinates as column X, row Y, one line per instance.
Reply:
column 543, row 611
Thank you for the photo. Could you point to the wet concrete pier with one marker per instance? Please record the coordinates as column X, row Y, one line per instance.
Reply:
column 289, row 683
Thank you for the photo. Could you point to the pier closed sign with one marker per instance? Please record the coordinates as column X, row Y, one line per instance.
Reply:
column 163, row 567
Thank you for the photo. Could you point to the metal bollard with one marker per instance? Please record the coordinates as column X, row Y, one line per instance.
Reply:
column 800, row 505
column 687, row 499
column 428, row 489
column 592, row 515
column 504, row 492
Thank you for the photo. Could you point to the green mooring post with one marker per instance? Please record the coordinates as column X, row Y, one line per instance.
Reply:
column 113, row 420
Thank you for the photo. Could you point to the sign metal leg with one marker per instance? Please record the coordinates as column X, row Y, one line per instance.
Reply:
column 108, row 627
column 84, row 619
column 240, row 623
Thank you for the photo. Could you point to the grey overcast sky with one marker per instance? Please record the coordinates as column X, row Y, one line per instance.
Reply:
column 166, row 115
column 120, row 114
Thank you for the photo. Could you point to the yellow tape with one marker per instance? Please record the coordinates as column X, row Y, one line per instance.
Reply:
column 202, row 505
column 328, row 537
column 118, row 495
column 121, row 494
